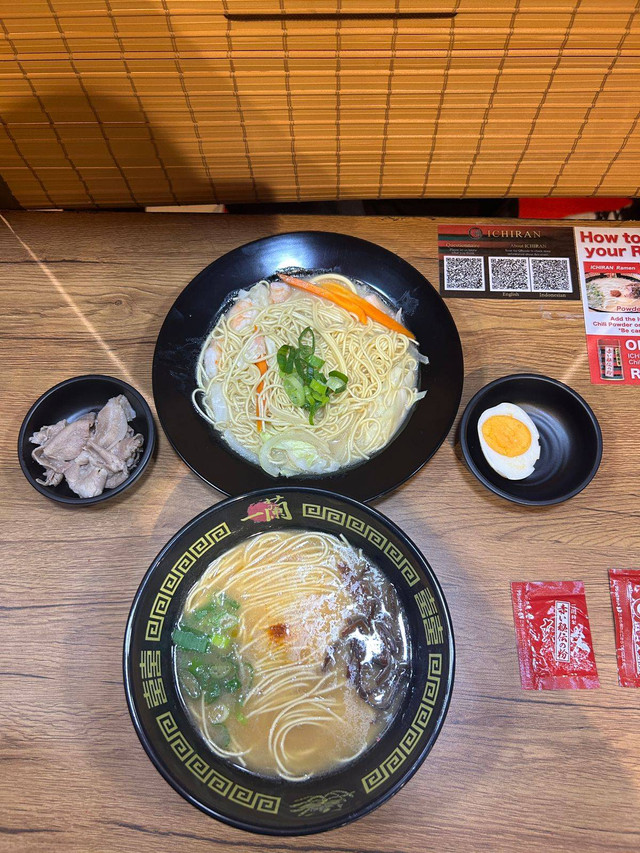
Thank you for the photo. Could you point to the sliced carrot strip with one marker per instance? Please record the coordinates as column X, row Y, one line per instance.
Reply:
column 262, row 367
column 369, row 309
column 337, row 299
column 348, row 300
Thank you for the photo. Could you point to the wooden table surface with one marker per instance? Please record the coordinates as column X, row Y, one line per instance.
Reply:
column 511, row 770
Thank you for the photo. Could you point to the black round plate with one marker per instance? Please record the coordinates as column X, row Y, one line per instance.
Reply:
column 195, row 311
column 570, row 439
column 70, row 399
column 228, row 792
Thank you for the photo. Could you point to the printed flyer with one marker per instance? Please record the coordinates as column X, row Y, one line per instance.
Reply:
column 609, row 267
column 507, row 262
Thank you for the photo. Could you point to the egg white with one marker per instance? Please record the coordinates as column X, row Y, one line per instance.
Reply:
column 511, row 467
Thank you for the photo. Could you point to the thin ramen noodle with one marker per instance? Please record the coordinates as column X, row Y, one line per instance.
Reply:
column 240, row 389
column 292, row 654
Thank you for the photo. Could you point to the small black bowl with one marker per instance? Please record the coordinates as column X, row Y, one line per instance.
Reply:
column 570, row 439
column 70, row 399
column 224, row 790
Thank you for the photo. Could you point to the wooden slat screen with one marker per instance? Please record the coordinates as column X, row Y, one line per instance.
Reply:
column 133, row 102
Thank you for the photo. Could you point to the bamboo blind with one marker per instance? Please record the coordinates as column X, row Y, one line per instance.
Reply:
column 133, row 102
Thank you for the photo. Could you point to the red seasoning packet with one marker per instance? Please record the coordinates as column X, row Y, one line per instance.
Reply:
column 625, row 600
column 555, row 649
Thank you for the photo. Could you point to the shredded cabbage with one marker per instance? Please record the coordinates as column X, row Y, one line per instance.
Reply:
column 294, row 452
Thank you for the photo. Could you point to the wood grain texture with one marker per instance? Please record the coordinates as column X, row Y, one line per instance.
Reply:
column 512, row 770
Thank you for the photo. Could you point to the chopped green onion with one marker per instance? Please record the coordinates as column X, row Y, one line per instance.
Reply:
column 307, row 342
column 316, row 362
column 318, row 387
column 206, row 608
column 200, row 670
column 304, row 369
column 286, row 356
column 337, row 386
column 294, row 389
column 213, row 691
column 222, row 668
column 189, row 684
column 218, row 713
column 209, row 667
column 203, row 622
column 221, row 641
column 189, row 640
column 302, row 379
column 247, row 674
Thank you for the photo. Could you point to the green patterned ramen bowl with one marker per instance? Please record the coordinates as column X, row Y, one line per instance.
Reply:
column 226, row 791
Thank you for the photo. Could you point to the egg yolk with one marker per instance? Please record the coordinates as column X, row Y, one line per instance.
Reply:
column 506, row 435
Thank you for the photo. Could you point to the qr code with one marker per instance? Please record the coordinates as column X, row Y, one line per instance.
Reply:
column 550, row 275
column 462, row 273
column 509, row 274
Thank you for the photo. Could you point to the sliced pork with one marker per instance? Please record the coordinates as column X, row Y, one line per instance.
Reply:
column 112, row 423
column 67, row 443
column 86, row 481
column 91, row 452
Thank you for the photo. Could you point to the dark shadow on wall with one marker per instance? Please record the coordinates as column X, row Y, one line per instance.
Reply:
column 180, row 129
column 7, row 199
column 111, row 155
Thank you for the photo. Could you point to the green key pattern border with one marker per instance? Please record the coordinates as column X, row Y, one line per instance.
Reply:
column 371, row 534
column 206, row 774
column 393, row 762
column 172, row 581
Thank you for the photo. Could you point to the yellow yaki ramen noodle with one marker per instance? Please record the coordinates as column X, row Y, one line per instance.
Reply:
column 309, row 377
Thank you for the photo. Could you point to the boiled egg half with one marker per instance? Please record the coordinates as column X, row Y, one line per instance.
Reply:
column 509, row 440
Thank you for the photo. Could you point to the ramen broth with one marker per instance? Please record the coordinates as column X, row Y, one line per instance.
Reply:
column 301, row 384
column 299, row 654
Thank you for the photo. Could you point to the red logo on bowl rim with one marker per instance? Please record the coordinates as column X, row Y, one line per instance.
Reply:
column 268, row 510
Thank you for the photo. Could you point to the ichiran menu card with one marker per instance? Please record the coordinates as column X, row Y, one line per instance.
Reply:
column 512, row 261
column 609, row 263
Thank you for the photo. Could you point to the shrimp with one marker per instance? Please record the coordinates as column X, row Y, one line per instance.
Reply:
column 241, row 314
column 279, row 291
column 257, row 349
column 218, row 403
column 212, row 357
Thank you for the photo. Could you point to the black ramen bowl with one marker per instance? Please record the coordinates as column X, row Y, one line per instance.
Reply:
column 70, row 399
column 228, row 792
column 570, row 439
column 196, row 311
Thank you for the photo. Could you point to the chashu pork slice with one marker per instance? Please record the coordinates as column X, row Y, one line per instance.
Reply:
column 85, row 478
column 59, row 444
column 112, row 423
column 66, row 443
column 93, row 452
